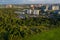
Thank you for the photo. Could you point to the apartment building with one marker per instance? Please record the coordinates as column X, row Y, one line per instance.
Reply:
column 55, row 7
column 36, row 12
column 9, row 6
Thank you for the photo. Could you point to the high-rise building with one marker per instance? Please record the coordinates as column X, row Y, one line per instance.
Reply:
column 29, row 11
column 55, row 7
column 36, row 12
column 32, row 7
column 47, row 6
column 9, row 6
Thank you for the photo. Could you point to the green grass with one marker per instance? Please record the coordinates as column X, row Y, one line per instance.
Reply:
column 49, row 35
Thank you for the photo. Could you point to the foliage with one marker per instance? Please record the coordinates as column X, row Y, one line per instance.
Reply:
column 14, row 28
column 53, row 34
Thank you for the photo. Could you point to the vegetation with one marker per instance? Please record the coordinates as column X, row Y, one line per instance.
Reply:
column 53, row 34
column 14, row 28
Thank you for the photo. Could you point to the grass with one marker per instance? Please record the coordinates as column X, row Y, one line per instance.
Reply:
column 49, row 35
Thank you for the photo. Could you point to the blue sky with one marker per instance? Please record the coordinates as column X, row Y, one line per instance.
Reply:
column 28, row 1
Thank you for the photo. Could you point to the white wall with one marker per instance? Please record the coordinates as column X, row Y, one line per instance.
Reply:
column 36, row 12
column 55, row 7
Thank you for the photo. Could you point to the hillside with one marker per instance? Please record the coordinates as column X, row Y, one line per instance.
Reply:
column 14, row 28
column 50, row 35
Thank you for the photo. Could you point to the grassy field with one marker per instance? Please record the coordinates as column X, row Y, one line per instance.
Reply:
column 49, row 35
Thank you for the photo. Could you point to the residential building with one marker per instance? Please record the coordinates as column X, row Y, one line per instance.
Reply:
column 47, row 6
column 36, row 12
column 9, row 6
column 32, row 7
column 29, row 11
column 55, row 7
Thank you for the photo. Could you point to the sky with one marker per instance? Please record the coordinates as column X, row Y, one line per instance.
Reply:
column 28, row 1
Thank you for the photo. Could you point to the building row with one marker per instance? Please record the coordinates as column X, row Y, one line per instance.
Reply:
column 47, row 6
column 29, row 12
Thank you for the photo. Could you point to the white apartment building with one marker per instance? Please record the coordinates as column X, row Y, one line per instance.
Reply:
column 55, row 7
column 29, row 11
column 47, row 6
column 36, row 12
column 9, row 6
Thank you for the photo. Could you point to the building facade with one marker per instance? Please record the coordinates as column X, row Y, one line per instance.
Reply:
column 36, row 12
column 55, row 7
